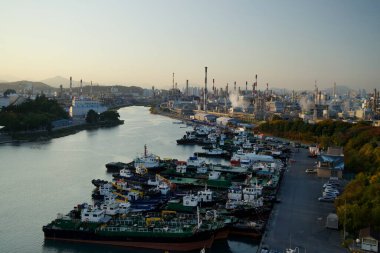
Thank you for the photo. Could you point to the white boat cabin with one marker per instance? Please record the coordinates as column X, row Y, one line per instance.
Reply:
column 164, row 188
column 181, row 168
column 190, row 200
column 235, row 194
column 126, row 173
column 133, row 195
column 205, row 195
column 194, row 161
column 214, row 175
column 153, row 182
column 121, row 185
column 147, row 161
column 202, row 170
column 110, row 208
column 254, row 190
column 124, row 208
column 105, row 189
column 92, row 214
column 110, row 198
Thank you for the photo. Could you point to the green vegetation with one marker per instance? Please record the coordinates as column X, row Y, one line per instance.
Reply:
column 360, row 201
column 360, row 141
column 93, row 117
column 8, row 92
column 31, row 115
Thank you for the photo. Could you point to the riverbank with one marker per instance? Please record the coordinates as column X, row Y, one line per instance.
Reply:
column 19, row 137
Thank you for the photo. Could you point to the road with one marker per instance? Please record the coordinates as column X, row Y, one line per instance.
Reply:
column 299, row 219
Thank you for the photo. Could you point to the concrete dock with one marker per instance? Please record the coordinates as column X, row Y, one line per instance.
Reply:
column 298, row 221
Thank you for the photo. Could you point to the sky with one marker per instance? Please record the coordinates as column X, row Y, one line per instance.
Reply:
column 287, row 43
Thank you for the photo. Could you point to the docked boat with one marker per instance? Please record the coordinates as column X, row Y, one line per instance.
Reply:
column 189, row 138
column 117, row 166
column 195, row 162
column 147, row 160
column 215, row 152
column 161, row 231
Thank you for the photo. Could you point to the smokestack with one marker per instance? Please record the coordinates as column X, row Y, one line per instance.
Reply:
column 81, row 90
column 235, row 86
column 246, row 87
column 213, row 85
column 375, row 100
column 334, row 93
column 227, row 90
column 315, row 92
column 187, row 87
column 71, row 86
column 293, row 96
column 205, row 92
column 173, row 80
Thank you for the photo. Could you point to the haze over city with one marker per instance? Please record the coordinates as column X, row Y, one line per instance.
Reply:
column 289, row 44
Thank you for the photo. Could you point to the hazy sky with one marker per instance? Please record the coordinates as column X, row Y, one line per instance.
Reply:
column 288, row 43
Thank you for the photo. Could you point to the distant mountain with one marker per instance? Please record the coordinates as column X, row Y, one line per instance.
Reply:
column 22, row 85
column 8, row 78
column 58, row 80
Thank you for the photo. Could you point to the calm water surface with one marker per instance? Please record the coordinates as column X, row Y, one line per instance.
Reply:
column 39, row 180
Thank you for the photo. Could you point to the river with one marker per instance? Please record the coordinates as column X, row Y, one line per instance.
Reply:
column 40, row 179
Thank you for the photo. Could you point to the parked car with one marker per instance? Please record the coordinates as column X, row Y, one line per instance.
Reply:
column 326, row 199
column 330, row 185
column 329, row 194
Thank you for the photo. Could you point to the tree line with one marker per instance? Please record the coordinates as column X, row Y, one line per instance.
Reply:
column 93, row 117
column 32, row 115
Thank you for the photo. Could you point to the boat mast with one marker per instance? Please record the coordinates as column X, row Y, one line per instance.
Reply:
column 199, row 220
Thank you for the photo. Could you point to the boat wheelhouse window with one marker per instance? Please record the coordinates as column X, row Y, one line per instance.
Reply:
column 94, row 215
column 86, row 215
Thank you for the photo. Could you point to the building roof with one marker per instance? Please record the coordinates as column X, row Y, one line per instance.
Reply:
column 335, row 162
column 369, row 232
column 335, row 151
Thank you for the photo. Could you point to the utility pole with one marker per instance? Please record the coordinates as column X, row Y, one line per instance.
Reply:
column 205, row 92
column 344, row 224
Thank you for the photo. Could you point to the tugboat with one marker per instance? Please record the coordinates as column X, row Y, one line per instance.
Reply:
column 149, row 161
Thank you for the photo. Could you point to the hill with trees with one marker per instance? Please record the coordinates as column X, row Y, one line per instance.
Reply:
column 32, row 115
